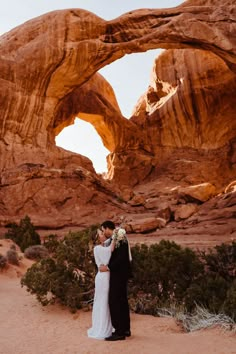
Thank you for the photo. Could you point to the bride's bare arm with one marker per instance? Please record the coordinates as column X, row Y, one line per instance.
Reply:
column 104, row 267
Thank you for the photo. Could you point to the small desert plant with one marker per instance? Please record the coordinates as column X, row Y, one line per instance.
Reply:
column 12, row 257
column 202, row 318
column 3, row 261
column 36, row 252
column 24, row 234
column 144, row 304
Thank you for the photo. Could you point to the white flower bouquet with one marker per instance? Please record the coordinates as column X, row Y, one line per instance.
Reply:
column 119, row 236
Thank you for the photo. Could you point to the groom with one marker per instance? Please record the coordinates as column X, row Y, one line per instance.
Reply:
column 119, row 267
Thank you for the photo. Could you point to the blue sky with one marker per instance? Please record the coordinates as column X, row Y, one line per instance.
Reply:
column 128, row 76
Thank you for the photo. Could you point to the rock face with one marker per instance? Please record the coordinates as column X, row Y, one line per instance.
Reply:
column 189, row 112
column 182, row 131
column 191, row 101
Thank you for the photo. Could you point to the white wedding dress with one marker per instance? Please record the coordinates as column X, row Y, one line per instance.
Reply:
column 101, row 320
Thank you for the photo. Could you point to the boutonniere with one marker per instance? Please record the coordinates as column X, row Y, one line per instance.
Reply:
column 119, row 235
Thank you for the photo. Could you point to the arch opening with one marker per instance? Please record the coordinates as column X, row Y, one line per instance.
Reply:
column 82, row 138
column 129, row 77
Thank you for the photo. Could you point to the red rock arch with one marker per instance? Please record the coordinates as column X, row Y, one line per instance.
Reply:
column 51, row 58
column 49, row 75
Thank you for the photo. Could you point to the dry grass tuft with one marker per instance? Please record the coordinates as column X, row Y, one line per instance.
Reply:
column 200, row 319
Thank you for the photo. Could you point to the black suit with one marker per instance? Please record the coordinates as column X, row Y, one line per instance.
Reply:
column 119, row 266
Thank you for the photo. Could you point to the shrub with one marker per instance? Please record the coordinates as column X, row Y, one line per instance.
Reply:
column 229, row 305
column 37, row 279
column 12, row 257
column 222, row 260
column 209, row 291
column 218, row 282
column 67, row 277
column 164, row 275
column 51, row 242
column 3, row 261
column 24, row 234
column 36, row 252
column 164, row 270
column 144, row 304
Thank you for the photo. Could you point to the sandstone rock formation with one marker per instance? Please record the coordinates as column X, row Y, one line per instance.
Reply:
column 188, row 111
column 182, row 131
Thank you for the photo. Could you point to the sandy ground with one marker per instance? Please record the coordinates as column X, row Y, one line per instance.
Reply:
column 26, row 327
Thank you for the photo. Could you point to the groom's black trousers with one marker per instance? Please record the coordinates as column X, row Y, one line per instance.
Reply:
column 118, row 303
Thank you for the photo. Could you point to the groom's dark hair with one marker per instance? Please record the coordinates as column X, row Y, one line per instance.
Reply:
column 108, row 224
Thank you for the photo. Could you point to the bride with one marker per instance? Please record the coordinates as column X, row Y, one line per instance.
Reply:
column 101, row 320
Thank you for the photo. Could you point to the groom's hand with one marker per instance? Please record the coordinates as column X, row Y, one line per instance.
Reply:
column 103, row 268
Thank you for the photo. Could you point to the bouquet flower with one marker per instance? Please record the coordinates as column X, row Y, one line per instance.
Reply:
column 119, row 235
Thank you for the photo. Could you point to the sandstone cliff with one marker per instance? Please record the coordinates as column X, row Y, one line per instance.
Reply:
column 182, row 131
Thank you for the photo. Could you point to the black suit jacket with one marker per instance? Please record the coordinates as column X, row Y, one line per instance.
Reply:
column 119, row 263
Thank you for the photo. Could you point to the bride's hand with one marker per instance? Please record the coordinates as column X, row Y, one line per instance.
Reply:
column 103, row 268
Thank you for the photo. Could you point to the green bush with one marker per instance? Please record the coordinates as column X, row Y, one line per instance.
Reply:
column 165, row 275
column 24, row 234
column 219, row 287
column 67, row 277
column 164, row 270
column 229, row 305
column 221, row 260
column 51, row 242
column 208, row 291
